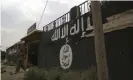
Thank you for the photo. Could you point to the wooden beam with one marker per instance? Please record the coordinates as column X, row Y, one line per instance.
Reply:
column 102, row 69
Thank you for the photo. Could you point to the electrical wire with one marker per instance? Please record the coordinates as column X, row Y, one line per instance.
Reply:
column 43, row 13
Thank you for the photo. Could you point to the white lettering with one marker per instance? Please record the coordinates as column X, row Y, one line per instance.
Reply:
column 77, row 31
column 44, row 29
column 82, row 27
column 56, row 34
column 89, row 27
column 73, row 29
column 82, row 24
column 66, row 30
column 63, row 32
column 59, row 33
column 53, row 36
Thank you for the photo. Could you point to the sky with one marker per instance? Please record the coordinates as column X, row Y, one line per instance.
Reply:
column 18, row 15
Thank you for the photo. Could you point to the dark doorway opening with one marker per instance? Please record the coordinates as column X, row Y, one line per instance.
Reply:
column 33, row 53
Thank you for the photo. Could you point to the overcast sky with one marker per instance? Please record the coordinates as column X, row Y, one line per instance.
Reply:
column 18, row 15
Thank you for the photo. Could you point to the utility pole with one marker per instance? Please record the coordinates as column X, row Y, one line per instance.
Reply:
column 102, row 70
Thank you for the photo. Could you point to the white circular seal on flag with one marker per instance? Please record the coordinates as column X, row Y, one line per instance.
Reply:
column 65, row 56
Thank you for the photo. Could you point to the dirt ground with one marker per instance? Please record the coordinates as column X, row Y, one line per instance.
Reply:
column 7, row 75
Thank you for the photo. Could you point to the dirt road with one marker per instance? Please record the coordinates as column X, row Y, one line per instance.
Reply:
column 7, row 75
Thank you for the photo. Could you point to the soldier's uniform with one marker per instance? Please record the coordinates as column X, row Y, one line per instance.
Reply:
column 20, row 61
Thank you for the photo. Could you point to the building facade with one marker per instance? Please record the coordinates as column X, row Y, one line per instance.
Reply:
column 68, row 42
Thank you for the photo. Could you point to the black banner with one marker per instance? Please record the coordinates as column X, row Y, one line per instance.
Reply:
column 72, row 30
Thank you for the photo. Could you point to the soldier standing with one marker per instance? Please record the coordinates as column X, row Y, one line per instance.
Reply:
column 20, row 59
